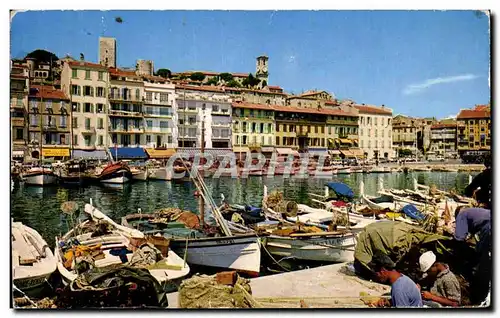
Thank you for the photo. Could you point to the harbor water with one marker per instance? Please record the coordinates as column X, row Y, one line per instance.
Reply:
column 40, row 209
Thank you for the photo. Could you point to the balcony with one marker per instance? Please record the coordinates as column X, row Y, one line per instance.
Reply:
column 220, row 137
column 17, row 121
column 340, row 122
column 158, row 114
column 88, row 130
column 123, row 113
column 188, row 124
column 188, row 110
column 302, row 134
column 222, row 112
column 158, row 130
column 221, row 124
column 157, row 102
column 125, row 98
column 129, row 129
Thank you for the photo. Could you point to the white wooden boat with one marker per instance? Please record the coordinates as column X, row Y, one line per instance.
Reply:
column 380, row 170
column 344, row 170
column 335, row 247
column 139, row 174
column 238, row 252
column 32, row 260
column 357, row 169
column 172, row 272
column 160, row 173
column 39, row 176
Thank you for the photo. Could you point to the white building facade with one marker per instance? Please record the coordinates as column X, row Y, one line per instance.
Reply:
column 160, row 127
column 195, row 105
column 375, row 131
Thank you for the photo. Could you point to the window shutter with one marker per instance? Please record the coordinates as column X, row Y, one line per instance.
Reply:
column 91, row 91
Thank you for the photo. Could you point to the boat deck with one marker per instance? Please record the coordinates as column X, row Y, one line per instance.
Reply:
column 320, row 287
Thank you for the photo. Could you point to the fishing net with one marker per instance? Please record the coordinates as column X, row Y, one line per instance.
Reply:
column 112, row 287
column 203, row 291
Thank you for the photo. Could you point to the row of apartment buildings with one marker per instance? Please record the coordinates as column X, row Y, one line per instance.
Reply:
column 95, row 107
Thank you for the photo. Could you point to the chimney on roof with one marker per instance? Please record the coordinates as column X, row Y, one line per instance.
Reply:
column 82, row 57
column 383, row 105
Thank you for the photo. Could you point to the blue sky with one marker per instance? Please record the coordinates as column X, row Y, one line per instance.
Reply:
column 419, row 63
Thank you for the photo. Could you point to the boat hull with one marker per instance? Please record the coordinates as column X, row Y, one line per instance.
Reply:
column 240, row 253
column 41, row 179
column 160, row 174
column 140, row 175
column 324, row 249
column 117, row 177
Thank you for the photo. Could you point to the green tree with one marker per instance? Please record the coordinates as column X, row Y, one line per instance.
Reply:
column 197, row 76
column 226, row 77
column 405, row 152
column 233, row 83
column 164, row 72
column 250, row 81
column 213, row 81
column 42, row 56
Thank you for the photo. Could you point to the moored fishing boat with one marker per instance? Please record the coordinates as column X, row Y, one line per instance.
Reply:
column 73, row 173
column 117, row 173
column 335, row 247
column 40, row 176
column 237, row 252
column 344, row 170
column 32, row 260
column 101, row 242
column 139, row 174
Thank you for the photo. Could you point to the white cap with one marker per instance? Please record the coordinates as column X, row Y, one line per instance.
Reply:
column 426, row 260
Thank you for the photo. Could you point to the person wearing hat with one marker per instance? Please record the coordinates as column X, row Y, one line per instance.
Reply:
column 446, row 289
column 404, row 292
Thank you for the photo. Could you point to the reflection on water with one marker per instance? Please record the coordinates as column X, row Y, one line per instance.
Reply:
column 40, row 207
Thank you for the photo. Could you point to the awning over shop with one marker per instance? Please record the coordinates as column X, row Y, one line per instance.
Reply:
column 345, row 141
column 347, row 153
column 55, row 152
column 90, row 155
column 357, row 152
column 286, row 151
column 318, row 151
column 267, row 149
column 191, row 152
column 17, row 154
column 240, row 149
column 334, row 152
column 128, row 153
column 160, row 153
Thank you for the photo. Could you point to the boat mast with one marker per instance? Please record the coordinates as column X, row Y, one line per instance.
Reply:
column 40, row 156
column 200, row 198
column 71, row 120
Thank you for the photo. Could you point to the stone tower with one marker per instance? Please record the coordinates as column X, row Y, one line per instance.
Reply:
column 107, row 51
column 262, row 70
column 144, row 67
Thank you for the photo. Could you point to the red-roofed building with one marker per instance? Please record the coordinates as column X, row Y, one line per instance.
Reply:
column 49, row 122
column 474, row 129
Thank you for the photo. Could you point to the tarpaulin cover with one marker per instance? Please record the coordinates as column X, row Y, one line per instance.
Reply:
column 391, row 238
column 412, row 212
column 341, row 189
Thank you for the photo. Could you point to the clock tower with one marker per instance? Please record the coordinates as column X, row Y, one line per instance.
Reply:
column 261, row 72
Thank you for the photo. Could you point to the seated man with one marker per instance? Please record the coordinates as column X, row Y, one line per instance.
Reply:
column 446, row 289
column 404, row 292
